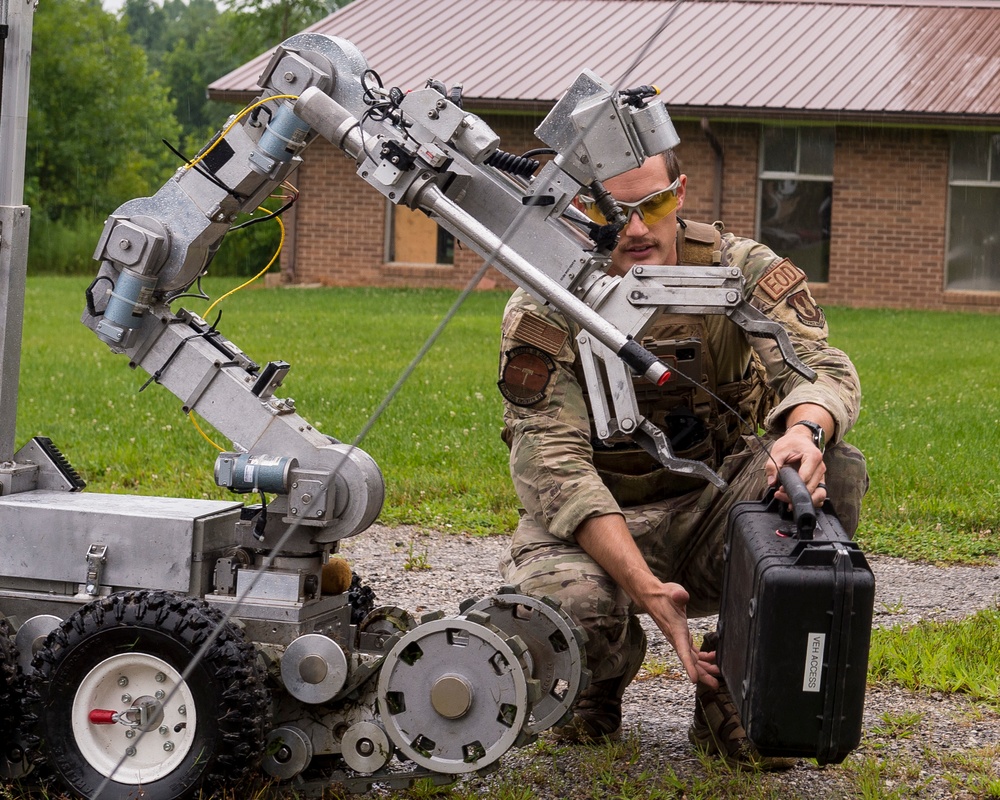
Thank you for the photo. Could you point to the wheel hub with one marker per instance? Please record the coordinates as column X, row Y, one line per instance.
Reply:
column 453, row 694
column 147, row 738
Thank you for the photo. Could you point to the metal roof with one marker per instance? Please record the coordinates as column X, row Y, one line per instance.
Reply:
column 909, row 61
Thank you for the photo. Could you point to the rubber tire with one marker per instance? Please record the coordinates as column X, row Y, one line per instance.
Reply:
column 10, row 692
column 232, row 703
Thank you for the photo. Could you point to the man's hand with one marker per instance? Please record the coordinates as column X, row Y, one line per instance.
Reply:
column 796, row 448
column 608, row 541
column 668, row 608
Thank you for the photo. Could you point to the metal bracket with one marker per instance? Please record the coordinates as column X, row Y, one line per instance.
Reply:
column 685, row 290
column 17, row 477
column 310, row 499
column 205, row 382
column 96, row 559
column 756, row 324
column 655, row 442
column 225, row 575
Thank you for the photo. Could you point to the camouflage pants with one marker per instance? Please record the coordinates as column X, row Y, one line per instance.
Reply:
column 681, row 539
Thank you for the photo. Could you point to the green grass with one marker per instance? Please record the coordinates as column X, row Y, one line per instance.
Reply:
column 930, row 424
column 953, row 657
column 930, row 429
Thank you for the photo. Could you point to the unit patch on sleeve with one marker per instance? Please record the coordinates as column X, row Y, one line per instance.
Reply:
column 781, row 278
column 525, row 375
column 806, row 309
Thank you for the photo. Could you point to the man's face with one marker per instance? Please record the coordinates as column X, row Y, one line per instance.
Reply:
column 638, row 242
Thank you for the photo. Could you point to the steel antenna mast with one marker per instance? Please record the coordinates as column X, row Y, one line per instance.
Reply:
column 15, row 64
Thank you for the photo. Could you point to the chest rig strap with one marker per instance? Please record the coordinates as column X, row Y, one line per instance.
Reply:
column 699, row 244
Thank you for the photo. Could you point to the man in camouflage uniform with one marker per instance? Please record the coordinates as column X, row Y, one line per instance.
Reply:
column 607, row 530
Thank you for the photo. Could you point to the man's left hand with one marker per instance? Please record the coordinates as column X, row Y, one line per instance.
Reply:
column 796, row 448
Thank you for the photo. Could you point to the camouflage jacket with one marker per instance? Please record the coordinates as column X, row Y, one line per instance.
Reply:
column 559, row 478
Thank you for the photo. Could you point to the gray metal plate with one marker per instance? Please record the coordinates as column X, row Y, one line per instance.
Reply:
column 152, row 541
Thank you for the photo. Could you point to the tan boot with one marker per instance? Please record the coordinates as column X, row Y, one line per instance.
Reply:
column 717, row 729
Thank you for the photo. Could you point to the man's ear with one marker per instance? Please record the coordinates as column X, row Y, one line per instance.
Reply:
column 682, row 191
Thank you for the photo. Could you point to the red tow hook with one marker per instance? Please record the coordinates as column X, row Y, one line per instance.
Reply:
column 101, row 716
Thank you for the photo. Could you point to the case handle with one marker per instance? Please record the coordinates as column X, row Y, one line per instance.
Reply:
column 803, row 512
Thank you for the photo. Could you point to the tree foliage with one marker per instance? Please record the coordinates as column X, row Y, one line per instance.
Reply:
column 269, row 22
column 107, row 89
column 96, row 114
column 190, row 44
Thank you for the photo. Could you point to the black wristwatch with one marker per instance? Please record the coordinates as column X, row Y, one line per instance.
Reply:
column 819, row 435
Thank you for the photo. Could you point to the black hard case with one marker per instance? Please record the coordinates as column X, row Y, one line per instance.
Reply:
column 795, row 628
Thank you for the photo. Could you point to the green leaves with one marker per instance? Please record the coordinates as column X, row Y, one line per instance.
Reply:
column 96, row 114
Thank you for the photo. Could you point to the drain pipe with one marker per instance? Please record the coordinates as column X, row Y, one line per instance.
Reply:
column 719, row 163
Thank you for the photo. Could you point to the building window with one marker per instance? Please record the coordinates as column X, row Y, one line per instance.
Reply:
column 796, row 194
column 973, row 255
column 414, row 238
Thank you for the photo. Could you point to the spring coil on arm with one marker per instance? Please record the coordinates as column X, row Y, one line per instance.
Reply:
column 513, row 165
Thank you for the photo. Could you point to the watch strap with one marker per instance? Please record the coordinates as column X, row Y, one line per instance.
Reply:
column 818, row 434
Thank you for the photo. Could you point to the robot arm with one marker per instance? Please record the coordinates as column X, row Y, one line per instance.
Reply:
column 154, row 248
column 423, row 150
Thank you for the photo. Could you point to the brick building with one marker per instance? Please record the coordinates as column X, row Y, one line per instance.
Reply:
column 860, row 139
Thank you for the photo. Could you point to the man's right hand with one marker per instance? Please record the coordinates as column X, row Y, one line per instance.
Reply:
column 667, row 605
column 608, row 541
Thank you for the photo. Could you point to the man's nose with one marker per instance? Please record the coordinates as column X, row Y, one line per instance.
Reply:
column 635, row 225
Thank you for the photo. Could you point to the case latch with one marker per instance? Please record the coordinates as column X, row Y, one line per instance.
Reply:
column 96, row 559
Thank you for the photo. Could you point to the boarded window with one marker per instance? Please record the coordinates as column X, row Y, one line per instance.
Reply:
column 414, row 238
column 796, row 195
column 973, row 257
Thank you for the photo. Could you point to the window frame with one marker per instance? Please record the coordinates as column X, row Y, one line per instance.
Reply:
column 797, row 175
column 954, row 140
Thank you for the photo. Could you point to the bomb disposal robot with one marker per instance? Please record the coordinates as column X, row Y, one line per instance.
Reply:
column 128, row 676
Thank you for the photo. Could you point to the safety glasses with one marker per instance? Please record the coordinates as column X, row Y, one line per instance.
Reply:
column 651, row 209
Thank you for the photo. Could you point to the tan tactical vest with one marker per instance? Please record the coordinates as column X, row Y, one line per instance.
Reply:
column 699, row 426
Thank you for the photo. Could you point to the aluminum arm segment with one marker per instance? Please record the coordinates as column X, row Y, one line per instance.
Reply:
column 339, row 126
column 154, row 248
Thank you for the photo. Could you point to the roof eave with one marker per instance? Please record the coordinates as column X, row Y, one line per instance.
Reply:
column 924, row 119
column 230, row 95
column 894, row 119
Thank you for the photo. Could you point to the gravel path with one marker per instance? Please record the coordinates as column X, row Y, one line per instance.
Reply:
column 658, row 708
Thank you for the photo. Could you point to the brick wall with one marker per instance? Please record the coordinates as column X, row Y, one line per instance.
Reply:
column 889, row 218
column 888, row 222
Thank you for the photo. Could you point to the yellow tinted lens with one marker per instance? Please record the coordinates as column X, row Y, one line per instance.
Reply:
column 657, row 207
column 592, row 211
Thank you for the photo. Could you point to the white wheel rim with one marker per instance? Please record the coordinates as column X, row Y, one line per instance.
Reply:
column 125, row 754
column 480, row 658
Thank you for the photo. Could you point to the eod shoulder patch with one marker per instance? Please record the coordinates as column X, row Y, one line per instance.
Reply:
column 525, row 374
column 780, row 278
